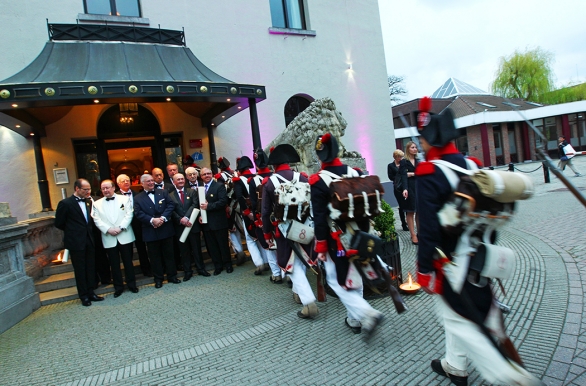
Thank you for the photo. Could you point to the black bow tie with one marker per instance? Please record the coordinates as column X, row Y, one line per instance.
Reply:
column 151, row 192
column 110, row 198
column 192, row 185
column 159, row 186
column 127, row 193
column 79, row 199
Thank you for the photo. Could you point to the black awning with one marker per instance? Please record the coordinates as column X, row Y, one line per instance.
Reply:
column 78, row 72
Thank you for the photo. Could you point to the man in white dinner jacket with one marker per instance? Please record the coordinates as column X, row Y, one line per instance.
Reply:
column 113, row 215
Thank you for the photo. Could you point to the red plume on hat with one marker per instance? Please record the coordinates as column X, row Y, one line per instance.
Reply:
column 326, row 138
column 271, row 149
column 423, row 117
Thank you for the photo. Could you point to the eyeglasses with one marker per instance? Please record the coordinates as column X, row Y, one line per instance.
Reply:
column 206, row 174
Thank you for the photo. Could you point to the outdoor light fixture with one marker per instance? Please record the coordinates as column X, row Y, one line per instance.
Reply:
column 32, row 134
column 239, row 107
column 223, row 116
column 349, row 66
column 228, row 99
column 17, row 126
column 14, row 105
column 168, row 99
column 96, row 101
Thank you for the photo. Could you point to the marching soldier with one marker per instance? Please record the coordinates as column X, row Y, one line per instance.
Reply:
column 361, row 316
column 262, row 171
column 465, row 339
column 245, row 217
column 281, row 157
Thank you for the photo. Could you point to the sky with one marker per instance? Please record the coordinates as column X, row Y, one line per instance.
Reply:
column 430, row 41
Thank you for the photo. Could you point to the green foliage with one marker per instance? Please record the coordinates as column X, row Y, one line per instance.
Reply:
column 384, row 223
column 526, row 75
column 566, row 94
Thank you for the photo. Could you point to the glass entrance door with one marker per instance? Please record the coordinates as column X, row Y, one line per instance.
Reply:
column 133, row 161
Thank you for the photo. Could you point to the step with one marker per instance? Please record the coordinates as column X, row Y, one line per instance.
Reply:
column 70, row 293
column 61, row 287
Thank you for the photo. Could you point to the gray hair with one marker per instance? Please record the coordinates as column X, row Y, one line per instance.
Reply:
column 144, row 177
column 120, row 177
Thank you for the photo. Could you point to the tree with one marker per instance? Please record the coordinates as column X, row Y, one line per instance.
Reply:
column 526, row 75
column 396, row 88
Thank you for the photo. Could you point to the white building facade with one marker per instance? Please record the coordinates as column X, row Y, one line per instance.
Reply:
column 300, row 49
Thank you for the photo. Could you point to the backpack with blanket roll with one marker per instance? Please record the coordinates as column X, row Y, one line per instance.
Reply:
column 353, row 197
column 293, row 198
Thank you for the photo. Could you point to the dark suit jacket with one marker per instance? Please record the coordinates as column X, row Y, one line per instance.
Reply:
column 145, row 210
column 185, row 209
column 216, row 212
column 77, row 232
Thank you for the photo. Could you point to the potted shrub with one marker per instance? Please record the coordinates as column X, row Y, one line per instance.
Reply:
column 384, row 224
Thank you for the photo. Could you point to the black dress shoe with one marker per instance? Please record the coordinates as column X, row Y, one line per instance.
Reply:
column 436, row 365
column 229, row 270
column 134, row 290
column 118, row 293
column 86, row 302
column 175, row 281
column 218, row 271
column 158, row 284
column 356, row 330
column 203, row 273
column 187, row 276
column 95, row 298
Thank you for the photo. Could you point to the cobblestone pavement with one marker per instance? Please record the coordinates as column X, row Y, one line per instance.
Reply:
column 241, row 329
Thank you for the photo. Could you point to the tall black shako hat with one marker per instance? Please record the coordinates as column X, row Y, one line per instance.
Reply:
column 438, row 129
column 243, row 163
column 261, row 160
column 223, row 163
column 326, row 147
column 283, row 154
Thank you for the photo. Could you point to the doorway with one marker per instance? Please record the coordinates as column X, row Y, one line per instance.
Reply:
column 132, row 161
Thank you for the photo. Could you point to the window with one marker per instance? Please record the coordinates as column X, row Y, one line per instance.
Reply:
column 486, row 105
column 113, row 7
column 288, row 14
column 294, row 106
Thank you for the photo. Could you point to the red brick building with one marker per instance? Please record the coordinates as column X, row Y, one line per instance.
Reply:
column 495, row 129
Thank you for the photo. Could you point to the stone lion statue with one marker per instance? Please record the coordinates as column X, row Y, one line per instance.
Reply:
column 319, row 118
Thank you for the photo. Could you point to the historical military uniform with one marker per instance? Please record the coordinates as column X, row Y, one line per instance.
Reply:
column 464, row 338
column 242, row 195
column 360, row 313
column 280, row 157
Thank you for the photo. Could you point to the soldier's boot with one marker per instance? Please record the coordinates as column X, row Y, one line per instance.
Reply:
column 309, row 311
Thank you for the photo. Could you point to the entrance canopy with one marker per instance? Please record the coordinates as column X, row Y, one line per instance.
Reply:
column 88, row 64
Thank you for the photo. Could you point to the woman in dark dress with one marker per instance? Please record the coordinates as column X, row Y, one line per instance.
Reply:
column 407, row 171
column 392, row 172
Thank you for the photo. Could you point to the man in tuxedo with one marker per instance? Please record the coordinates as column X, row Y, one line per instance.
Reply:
column 160, row 182
column 123, row 182
column 172, row 169
column 191, row 174
column 186, row 201
column 113, row 215
column 153, row 207
column 216, row 229
column 73, row 217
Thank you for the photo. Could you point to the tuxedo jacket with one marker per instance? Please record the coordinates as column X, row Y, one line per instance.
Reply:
column 77, row 231
column 216, row 211
column 122, row 217
column 145, row 210
column 185, row 209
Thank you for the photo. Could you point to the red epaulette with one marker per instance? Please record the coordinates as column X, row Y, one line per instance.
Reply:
column 218, row 176
column 234, row 179
column 424, row 168
column 304, row 174
column 249, row 179
column 476, row 161
column 265, row 180
column 314, row 179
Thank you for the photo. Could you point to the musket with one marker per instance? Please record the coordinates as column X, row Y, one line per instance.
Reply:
column 398, row 301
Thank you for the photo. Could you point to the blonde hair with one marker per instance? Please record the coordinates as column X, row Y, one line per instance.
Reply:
column 398, row 153
column 407, row 154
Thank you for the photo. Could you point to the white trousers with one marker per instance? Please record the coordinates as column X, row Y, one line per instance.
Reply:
column 270, row 255
column 465, row 340
column 300, row 283
column 357, row 307
column 236, row 240
column 254, row 247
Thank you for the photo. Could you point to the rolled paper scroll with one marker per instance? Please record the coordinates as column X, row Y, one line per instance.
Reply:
column 188, row 229
column 202, row 198
column 65, row 257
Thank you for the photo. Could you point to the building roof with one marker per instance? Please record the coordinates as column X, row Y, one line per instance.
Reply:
column 454, row 87
column 472, row 104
